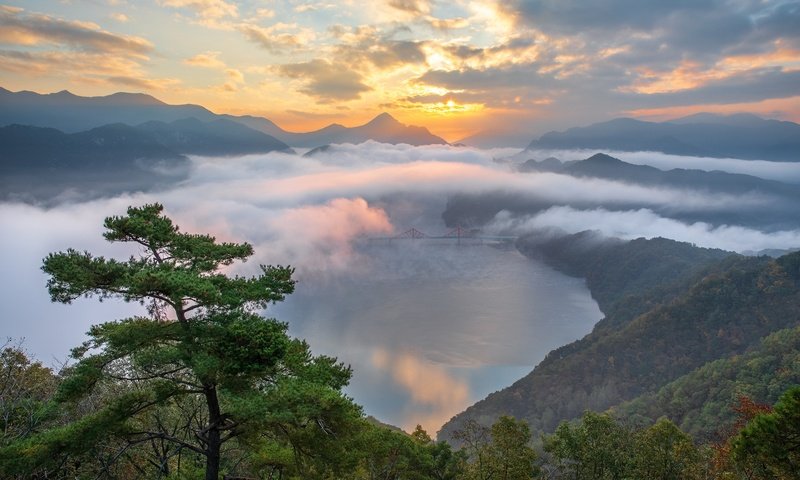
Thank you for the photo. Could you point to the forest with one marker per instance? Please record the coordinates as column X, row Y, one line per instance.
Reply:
column 204, row 386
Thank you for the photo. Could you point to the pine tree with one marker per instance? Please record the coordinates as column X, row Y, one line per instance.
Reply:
column 203, row 341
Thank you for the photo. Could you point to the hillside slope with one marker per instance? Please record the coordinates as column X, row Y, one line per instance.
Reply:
column 722, row 311
column 700, row 401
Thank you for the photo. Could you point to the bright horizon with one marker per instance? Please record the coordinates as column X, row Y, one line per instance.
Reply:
column 458, row 68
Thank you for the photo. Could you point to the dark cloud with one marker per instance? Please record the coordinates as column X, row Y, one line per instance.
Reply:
column 570, row 17
column 782, row 21
column 20, row 28
column 750, row 86
column 526, row 75
column 380, row 51
column 326, row 81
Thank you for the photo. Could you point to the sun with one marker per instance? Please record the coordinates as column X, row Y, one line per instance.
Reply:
column 450, row 107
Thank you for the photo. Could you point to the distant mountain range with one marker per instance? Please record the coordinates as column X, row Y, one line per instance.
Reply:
column 605, row 166
column 741, row 136
column 218, row 137
column 384, row 128
column 778, row 211
column 72, row 113
column 40, row 163
column 44, row 164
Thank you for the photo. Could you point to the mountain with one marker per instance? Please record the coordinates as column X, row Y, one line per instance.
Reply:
column 497, row 139
column 42, row 163
column 384, row 128
column 34, row 149
column 736, row 136
column 219, row 137
column 778, row 208
column 72, row 113
column 658, row 331
column 605, row 166
column 700, row 401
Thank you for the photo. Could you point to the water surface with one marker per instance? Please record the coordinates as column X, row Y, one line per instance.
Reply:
column 431, row 327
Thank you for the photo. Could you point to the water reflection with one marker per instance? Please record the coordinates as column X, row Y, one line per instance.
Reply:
column 430, row 328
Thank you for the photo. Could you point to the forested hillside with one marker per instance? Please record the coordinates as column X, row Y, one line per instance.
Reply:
column 658, row 327
column 699, row 402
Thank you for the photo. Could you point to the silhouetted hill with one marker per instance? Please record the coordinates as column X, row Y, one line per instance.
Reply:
column 776, row 211
column 72, row 113
column 384, row 128
column 497, row 139
column 723, row 309
column 605, row 166
column 113, row 146
column 215, row 138
column 738, row 136
column 42, row 163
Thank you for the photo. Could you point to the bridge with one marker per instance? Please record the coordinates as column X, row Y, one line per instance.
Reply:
column 457, row 234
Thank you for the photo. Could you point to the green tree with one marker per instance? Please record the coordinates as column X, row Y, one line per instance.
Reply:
column 25, row 388
column 510, row 454
column 664, row 452
column 203, row 340
column 773, row 439
column 594, row 448
column 475, row 440
column 501, row 452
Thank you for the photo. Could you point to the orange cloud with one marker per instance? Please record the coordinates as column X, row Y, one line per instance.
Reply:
column 782, row 108
column 20, row 28
column 207, row 9
column 207, row 59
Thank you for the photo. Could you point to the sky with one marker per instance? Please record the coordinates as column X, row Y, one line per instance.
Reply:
column 458, row 67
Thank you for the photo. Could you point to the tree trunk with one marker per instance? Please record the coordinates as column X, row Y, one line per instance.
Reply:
column 214, row 443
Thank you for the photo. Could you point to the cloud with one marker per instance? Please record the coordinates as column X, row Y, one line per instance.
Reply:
column 84, row 67
column 20, row 28
column 209, row 59
column 326, row 81
column 630, row 224
column 120, row 17
column 262, row 13
column 81, row 51
column 322, row 235
column 278, row 37
column 746, row 86
column 447, row 23
column 414, row 7
column 143, row 83
column 311, row 7
column 205, row 9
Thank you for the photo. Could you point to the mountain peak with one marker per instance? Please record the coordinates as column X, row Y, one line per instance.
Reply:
column 383, row 119
column 125, row 98
column 603, row 158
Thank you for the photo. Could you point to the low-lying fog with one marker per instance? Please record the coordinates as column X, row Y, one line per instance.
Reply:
column 429, row 327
